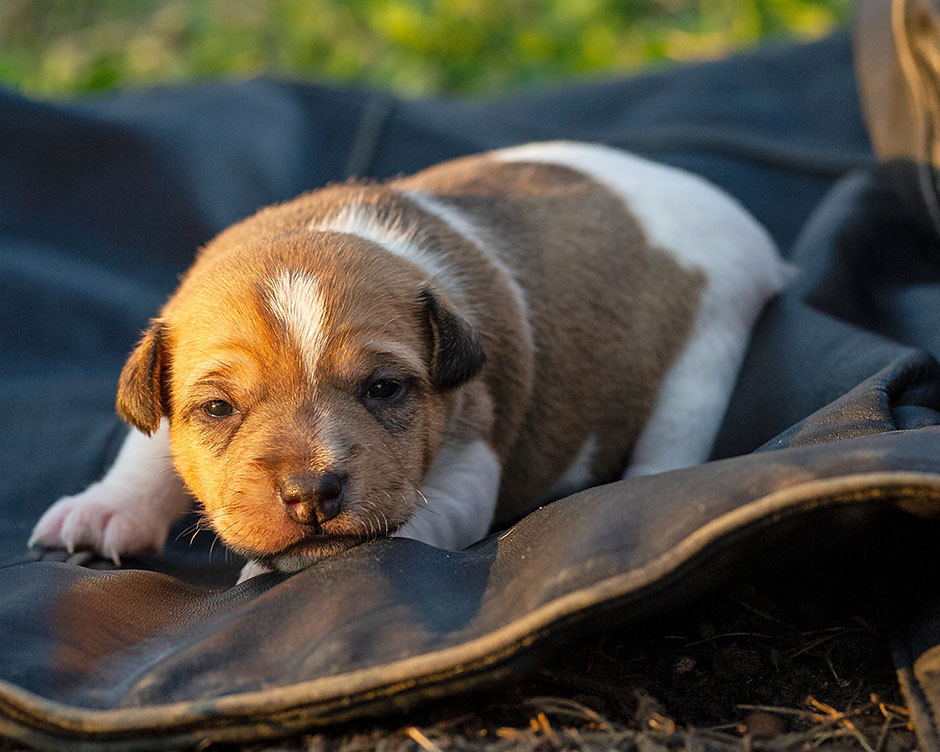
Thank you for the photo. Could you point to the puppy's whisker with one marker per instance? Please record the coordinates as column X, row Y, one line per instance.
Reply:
column 372, row 515
column 384, row 327
column 202, row 525
column 194, row 528
column 215, row 360
column 236, row 525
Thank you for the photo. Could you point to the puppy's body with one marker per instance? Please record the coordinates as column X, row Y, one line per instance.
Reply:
column 428, row 356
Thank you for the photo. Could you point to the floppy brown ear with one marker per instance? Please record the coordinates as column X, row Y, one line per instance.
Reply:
column 140, row 398
column 457, row 354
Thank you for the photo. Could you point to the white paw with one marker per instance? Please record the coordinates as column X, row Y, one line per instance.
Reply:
column 252, row 569
column 106, row 519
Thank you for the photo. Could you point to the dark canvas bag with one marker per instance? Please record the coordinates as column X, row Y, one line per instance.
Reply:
column 832, row 434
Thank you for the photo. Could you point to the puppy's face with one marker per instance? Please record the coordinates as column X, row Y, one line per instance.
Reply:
column 308, row 382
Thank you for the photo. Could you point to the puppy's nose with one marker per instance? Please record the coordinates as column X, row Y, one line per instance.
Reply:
column 312, row 498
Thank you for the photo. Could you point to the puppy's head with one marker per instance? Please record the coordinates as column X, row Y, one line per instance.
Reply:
column 308, row 381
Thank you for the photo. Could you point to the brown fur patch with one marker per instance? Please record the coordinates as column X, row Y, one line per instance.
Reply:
column 609, row 314
column 142, row 398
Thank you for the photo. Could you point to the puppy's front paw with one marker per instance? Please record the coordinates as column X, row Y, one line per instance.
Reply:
column 103, row 518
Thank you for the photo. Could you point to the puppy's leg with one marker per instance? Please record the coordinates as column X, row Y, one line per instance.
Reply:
column 695, row 393
column 129, row 510
column 460, row 493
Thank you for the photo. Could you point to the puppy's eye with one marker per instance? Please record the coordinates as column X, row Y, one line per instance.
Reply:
column 218, row 409
column 383, row 389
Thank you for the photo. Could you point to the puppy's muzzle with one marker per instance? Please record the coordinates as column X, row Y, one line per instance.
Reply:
column 312, row 498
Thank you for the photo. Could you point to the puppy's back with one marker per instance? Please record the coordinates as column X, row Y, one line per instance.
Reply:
column 641, row 283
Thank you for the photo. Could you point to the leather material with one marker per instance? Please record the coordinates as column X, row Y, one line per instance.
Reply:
column 386, row 626
column 833, row 433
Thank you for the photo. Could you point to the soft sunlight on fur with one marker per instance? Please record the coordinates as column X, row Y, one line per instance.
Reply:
column 432, row 356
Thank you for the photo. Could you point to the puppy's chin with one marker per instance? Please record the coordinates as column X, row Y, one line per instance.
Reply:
column 283, row 545
column 311, row 549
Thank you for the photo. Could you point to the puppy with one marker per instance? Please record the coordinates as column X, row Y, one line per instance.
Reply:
column 431, row 356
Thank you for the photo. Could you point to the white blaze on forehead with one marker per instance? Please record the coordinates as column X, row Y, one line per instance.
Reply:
column 294, row 298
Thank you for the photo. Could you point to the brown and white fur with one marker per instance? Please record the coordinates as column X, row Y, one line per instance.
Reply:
column 432, row 356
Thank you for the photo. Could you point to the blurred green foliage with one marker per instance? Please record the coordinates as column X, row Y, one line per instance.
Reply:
column 57, row 47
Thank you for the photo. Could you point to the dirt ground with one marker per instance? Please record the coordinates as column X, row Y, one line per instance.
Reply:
column 796, row 664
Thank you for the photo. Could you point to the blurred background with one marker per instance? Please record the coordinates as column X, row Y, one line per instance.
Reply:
column 412, row 47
